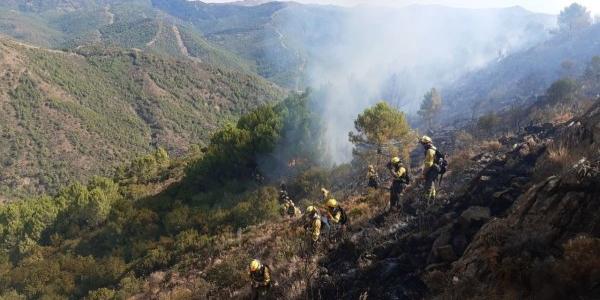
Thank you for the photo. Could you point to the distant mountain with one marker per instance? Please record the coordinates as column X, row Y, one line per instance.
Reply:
column 250, row 2
column 524, row 74
column 128, row 24
column 281, row 41
column 66, row 115
column 285, row 39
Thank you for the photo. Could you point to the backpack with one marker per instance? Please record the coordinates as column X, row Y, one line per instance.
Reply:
column 406, row 178
column 343, row 216
column 441, row 162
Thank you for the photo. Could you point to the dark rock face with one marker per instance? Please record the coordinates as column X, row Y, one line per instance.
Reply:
column 544, row 219
column 502, row 234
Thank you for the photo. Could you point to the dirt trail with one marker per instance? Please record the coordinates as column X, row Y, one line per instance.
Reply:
column 182, row 48
column 35, row 47
column 158, row 33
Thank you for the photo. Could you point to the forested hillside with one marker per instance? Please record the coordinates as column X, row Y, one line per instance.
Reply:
column 67, row 115
column 126, row 24
column 99, row 240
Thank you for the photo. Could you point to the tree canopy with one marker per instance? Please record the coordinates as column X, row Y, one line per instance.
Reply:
column 270, row 135
column 431, row 106
column 378, row 128
column 574, row 17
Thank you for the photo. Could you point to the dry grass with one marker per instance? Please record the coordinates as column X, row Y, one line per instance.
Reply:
column 558, row 153
column 580, row 263
column 491, row 146
column 557, row 159
column 461, row 161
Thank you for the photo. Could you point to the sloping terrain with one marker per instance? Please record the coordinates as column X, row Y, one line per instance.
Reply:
column 68, row 115
column 499, row 231
column 520, row 77
column 513, row 216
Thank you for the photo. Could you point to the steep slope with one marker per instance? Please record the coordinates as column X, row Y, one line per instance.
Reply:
column 523, row 75
column 68, row 115
column 502, row 234
column 547, row 246
column 506, row 234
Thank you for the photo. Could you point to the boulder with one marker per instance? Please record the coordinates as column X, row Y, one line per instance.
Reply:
column 474, row 214
column 446, row 253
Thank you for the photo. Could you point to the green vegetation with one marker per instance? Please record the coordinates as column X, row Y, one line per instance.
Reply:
column 134, row 34
column 199, row 47
column 97, row 239
column 72, row 115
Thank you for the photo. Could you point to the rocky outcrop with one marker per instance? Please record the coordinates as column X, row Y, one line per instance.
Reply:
column 521, row 252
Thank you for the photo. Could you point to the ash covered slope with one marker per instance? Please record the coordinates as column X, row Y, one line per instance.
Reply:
column 547, row 246
column 507, row 233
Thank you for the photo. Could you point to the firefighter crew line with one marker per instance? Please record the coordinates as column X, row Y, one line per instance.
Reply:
column 333, row 218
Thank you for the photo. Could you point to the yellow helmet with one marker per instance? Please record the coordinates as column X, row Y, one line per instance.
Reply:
column 332, row 203
column 395, row 160
column 254, row 265
column 426, row 140
column 311, row 209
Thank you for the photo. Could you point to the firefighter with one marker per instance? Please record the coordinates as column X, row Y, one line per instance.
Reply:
column 260, row 276
column 312, row 225
column 372, row 177
column 400, row 179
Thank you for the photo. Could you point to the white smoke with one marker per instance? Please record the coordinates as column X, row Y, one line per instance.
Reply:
column 363, row 54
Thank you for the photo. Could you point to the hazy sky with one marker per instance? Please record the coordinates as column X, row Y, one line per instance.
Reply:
column 545, row 6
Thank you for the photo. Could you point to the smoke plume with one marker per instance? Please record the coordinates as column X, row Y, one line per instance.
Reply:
column 358, row 56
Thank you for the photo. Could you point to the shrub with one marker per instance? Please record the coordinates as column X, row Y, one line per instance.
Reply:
column 178, row 219
column 190, row 241
column 231, row 273
column 579, row 267
column 491, row 146
column 155, row 259
column 562, row 91
column 101, row 294
column 488, row 124
column 463, row 139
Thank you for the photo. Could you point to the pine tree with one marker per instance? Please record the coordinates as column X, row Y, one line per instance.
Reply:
column 431, row 106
